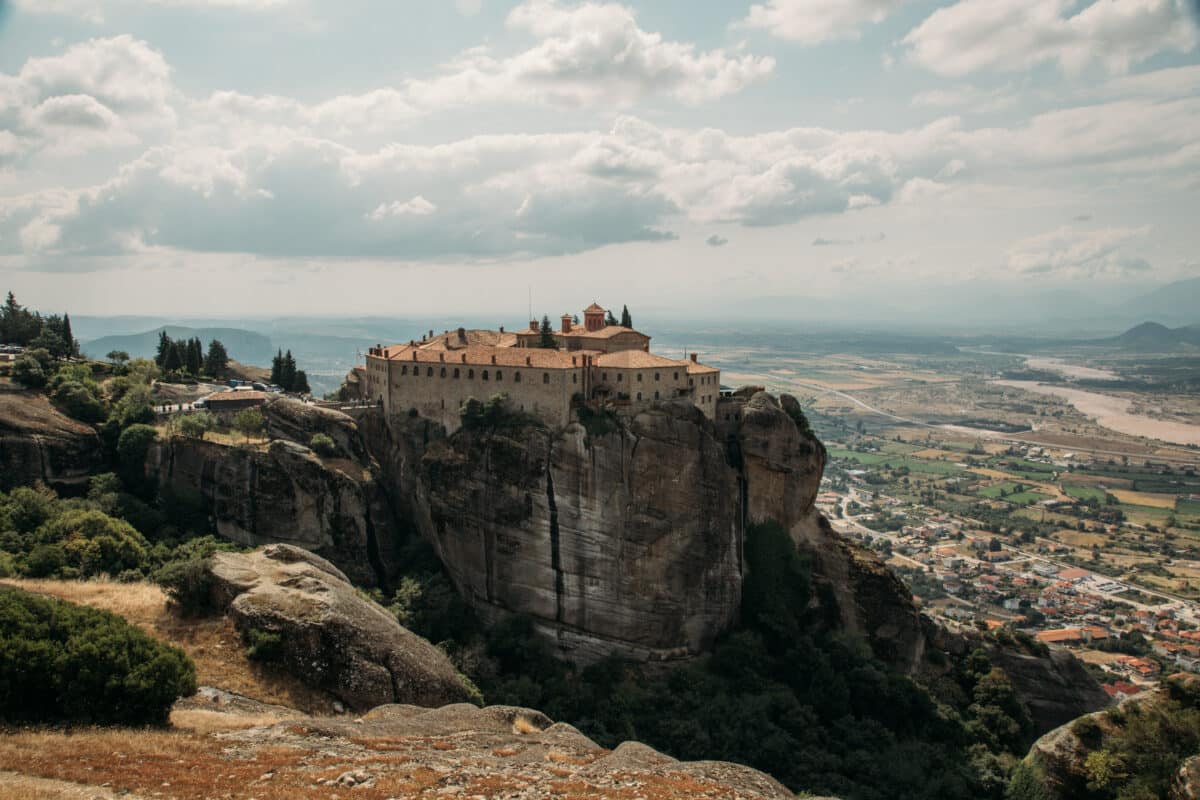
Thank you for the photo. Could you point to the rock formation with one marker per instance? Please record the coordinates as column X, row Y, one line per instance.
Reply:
column 282, row 494
column 39, row 443
column 330, row 636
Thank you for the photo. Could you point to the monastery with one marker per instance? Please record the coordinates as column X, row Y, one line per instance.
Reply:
column 593, row 361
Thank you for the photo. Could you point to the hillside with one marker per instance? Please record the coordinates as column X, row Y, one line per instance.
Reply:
column 1178, row 302
column 1153, row 337
column 245, row 346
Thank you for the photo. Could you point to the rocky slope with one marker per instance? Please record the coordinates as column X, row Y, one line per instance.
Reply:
column 330, row 636
column 39, row 443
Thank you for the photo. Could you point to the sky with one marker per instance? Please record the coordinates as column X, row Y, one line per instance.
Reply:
column 819, row 157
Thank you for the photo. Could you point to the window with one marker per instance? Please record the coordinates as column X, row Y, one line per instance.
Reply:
column 429, row 372
column 545, row 377
column 517, row 377
column 499, row 375
column 456, row 372
column 404, row 370
column 691, row 382
column 443, row 372
column 656, row 395
column 619, row 377
column 471, row 374
column 639, row 395
column 676, row 376
column 485, row 375
column 603, row 376
column 639, row 377
column 656, row 376
column 575, row 378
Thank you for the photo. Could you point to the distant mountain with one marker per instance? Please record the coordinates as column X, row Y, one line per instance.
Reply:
column 1177, row 302
column 247, row 347
column 1154, row 337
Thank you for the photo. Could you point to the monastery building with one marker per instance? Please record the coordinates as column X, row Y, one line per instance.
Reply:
column 592, row 362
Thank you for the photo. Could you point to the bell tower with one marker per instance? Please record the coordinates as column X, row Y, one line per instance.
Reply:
column 593, row 317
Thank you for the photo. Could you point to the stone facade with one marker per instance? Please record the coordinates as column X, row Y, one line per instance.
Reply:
column 435, row 376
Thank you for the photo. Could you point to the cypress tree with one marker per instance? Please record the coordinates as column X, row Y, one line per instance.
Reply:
column 277, row 369
column 164, row 346
column 610, row 319
column 547, row 341
column 217, row 359
column 194, row 357
column 68, row 337
column 300, row 383
column 173, row 358
column 626, row 320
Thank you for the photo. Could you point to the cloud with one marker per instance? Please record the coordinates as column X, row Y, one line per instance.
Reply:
column 97, row 93
column 821, row 241
column 417, row 206
column 968, row 98
column 1015, row 35
column 716, row 241
column 811, row 22
column 1072, row 253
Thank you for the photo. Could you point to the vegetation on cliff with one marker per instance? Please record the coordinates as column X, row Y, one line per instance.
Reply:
column 63, row 662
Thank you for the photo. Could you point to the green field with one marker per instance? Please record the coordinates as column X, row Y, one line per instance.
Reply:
column 1084, row 492
column 1007, row 492
column 897, row 461
column 1189, row 507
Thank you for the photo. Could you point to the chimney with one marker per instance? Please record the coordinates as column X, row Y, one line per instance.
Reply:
column 533, row 324
column 502, row 329
column 414, row 355
column 566, row 323
column 493, row 359
column 694, row 358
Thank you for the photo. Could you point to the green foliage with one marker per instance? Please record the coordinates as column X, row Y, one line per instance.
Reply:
column 132, row 446
column 62, row 662
column 597, row 421
column 216, row 361
column 79, row 400
column 193, row 425
column 1026, row 783
column 263, row 645
column 323, row 445
column 189, row 583
column 249, row 422
column 547, row 341
column 95, row 543
column 497, row 412
column 626, row 320
column 28, row 372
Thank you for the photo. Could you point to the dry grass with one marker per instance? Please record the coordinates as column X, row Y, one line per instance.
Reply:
column 202, row 721
column 212, row 643
column 1133, row 498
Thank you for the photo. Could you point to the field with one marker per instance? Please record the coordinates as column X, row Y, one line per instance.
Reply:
column 1084, row 492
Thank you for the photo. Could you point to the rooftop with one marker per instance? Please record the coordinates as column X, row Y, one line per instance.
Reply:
column 636, row 359
column 490, row 356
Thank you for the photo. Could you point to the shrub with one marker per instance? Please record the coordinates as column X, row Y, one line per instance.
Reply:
column 28, row 372
column 323, row 445
column 189, row 584
column 249, row 422
column 194, row 425
column 93, row 542
column 263, row 645
column 132, row 447
column 63, row 662
column 79, row 401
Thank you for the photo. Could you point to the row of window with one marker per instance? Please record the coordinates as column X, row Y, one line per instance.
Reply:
column 484, row 375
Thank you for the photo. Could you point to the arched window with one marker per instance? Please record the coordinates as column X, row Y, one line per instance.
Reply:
column 456, row 372
column 656, row 395
column 575, row 377
column 471, row 374
column 619, row 377
column 499, row 375
column 656, row 376
column 443, row 372
column 517, row 377
column 639, row 395
column 429, row 372
column 545, row 377
column 485, row 375
column 639, row 377
column 404, row 370
column 676, row 376
column 604, row 376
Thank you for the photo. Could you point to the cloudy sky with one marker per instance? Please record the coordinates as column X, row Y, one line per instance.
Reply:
column 414, row 156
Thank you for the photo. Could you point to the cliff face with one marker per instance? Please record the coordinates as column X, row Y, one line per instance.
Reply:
column 39, row 443
column 625, row 543
column 282, row 494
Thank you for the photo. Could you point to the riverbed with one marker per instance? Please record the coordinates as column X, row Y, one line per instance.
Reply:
column 1114, row 413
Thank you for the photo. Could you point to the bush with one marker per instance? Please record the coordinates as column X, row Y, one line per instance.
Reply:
column 249, row 422
column 194, row 425
column 93, row 542
column 263, row 645
column 132, row 447
column 79, row 401
column 189, row 584
column 63, row 662
column 28, row 372
column 323, row 445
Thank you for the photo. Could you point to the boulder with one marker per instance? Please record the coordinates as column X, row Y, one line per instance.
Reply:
column 296, row 421
column 39, row 443
column 331, row 637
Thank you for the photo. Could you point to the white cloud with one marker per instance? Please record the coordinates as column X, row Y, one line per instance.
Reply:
column 417, row 206
column 95, row 10
column 97, row 93
column 1013, row 35
column 1072, row 253
column 815, row 21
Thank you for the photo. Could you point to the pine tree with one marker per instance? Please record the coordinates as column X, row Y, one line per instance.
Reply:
column 277, row 369
column 173, row 359
column 626, row 320
column 194, row 357
column 164, row 347
column 548, row 341
column 300, row 383
column 217, row 359
column 288, row 373
column 68, row 336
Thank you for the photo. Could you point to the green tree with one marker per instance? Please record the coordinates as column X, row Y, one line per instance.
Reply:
column 132, row 446
column 79, row 401
column 28, row 372
column 277, row 369
column 51, row 341
column 164, row 347
column 547, row 340
column 249, row 422
column 609, row 319
column 287, row 372
column 626, row 320
column 217, row 359
column 118, row 358
column 173, row 358
column 95, row 543
column 323, row 445
column 300, row 383
column 195, row 357
column 193, row 425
